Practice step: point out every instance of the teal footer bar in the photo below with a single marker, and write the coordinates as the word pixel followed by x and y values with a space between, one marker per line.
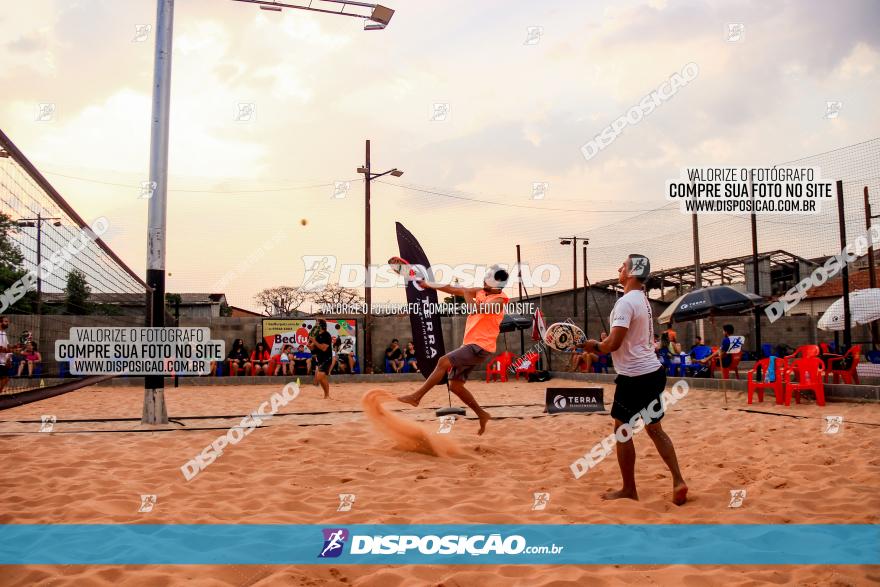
pixel 367 544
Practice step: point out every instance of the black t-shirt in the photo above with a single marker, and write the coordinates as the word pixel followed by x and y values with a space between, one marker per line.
pixel 393 355
pixel 238 354
pixel 410 354
pixel 323 338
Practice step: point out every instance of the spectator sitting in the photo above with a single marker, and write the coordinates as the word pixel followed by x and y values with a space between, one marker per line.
pixel 410 357
pixel 674 346
pixel 394 356
pixel 302 361
pixel 238 357
pixel 284 361
pixel 260 359
pixel 730 345
pixel 345 354
pixel 579 356
pixel 30 358
pixel 698 341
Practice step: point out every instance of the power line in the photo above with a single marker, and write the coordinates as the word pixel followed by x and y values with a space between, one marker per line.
pixel 504 204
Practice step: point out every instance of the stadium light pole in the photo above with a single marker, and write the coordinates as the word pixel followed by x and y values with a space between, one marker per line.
pixel 573 240
pixel 379 16
pixel 369 176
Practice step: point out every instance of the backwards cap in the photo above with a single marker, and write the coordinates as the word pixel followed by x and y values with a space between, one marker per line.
pixel 638 266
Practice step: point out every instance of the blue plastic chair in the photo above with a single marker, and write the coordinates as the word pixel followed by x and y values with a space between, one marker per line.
pixel 873 357
pixel 767 349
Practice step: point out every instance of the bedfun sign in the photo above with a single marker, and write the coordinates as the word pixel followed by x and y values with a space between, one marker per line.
pixel 574 399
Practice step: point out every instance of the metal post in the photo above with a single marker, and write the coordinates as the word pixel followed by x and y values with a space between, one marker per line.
pixel 39 270
pixel 574 277
pixel 154 393
pixel 586 291
pixel 522 336
pixel 698 275
pixel 368 294
pixel 756 274
pixel 847 316
pixel 872 274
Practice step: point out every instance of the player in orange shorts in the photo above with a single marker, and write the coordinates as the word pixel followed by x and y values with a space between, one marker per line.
pixel 480 334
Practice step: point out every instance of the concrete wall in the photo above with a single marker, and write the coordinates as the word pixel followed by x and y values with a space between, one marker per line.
pixel 791 330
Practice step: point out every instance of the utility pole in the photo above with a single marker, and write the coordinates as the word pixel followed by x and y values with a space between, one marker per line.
pixel 369 176
pixel 847 313
pixel 756 274
pixel 522 336
pixel 586 290
pixel 573 240
pixel 872 274
pixel 698 275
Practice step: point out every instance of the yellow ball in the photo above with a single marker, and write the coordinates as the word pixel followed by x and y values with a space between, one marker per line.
pixel 303 221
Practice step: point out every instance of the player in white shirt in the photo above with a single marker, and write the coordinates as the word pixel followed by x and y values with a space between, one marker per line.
pixel 641 377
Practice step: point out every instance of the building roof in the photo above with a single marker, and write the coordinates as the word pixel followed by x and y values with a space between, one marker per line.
pixel 239 312
pixel 833 288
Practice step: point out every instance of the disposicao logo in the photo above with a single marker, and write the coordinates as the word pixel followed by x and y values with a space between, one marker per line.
pixel 334 540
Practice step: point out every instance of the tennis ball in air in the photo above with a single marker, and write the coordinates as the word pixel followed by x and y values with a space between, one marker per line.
pixel 303 221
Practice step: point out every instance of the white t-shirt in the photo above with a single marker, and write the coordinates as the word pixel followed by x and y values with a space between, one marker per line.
pixel 636 354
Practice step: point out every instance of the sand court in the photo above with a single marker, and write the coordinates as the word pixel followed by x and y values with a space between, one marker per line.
pixel 98 460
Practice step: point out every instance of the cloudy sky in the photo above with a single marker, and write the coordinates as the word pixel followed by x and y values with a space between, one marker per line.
pixel 519 111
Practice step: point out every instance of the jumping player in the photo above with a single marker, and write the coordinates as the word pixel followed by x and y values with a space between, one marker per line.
pixel 321 345
pixel 640 377
pixel 480 334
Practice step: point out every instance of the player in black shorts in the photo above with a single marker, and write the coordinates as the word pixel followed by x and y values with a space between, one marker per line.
pixel 641 378
pixel 321 345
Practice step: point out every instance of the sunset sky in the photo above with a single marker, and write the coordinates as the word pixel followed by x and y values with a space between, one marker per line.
pixel 518 114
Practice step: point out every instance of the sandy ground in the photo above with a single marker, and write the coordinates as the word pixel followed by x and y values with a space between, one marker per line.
pixel 292 470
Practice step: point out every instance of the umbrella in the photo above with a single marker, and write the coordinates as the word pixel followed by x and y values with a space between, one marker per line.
pixel 864 307
pixel 716 300
pixel 514 322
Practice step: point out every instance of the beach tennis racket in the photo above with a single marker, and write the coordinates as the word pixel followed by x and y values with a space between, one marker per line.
pixel 402 267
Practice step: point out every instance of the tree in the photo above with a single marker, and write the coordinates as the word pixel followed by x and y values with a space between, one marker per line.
pixel 336 295
pixel 281 300
pixel 12 267
pixel 225 310
pixel 77 292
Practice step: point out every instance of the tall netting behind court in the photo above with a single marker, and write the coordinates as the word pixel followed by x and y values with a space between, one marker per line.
pixel 790 248
pixel 56 272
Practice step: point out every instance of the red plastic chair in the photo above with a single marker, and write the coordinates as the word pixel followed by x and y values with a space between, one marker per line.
pixel 498 366
pixel 804 352
pixel 809 377
pixel 836 366
pixel 777 386
pixel 532 358
pixel 734 366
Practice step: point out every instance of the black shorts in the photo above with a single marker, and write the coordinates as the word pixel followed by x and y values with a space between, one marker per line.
pixel 4 370
pixel 634 394
pixel 324 366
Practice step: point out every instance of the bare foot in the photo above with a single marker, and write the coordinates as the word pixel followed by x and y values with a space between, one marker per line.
pixel 408 399
pixel 679 493
pixel 484 419
pixel 621 494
